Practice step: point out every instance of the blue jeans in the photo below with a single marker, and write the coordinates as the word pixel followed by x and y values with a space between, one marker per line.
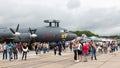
pixel 10 55
pixel 48 49
pixel 113 48
pixel 37 50
pixel 44 50
pixel 4 54
pixel 116 48
pixel 93 54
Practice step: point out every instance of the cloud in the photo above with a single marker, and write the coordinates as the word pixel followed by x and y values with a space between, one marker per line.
pixel 73 14
pixel 28 12
pixel 73 4
pixel 100 20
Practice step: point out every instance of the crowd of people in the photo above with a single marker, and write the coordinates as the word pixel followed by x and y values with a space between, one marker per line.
pixel 90 48
pixel 41 47
pixel 82 49
pixel 10 50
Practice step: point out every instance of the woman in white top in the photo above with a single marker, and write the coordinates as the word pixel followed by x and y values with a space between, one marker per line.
pixel 25 50
pixel 79 50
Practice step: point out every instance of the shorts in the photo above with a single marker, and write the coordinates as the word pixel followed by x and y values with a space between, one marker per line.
pixel 79 52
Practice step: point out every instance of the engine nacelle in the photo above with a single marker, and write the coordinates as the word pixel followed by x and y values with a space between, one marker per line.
pixel 33 36
pixel 23 37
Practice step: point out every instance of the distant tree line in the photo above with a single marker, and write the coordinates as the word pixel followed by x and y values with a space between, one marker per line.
pixel 88 33
pixel 113 36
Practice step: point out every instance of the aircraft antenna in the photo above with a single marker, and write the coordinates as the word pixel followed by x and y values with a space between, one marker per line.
pixel 56 23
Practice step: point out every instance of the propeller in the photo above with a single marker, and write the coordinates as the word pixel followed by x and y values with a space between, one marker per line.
pixel 32 36
pixel 16 33
pixel 32 32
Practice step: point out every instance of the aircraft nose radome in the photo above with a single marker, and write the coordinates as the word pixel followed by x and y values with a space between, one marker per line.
pixel 74 36
pixel 71 36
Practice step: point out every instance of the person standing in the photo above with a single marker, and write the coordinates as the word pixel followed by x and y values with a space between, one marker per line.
pixel 70 46
pixel 44 47
pixel 55 49
pixel 15 52
pixel 112 47
pixel 116 46
pixel 105 47
pixel 93 47
pixel 36 48
pixel 79 50
pixel 85 50
pixel 63 45
pixel 20 47
pixel 5 48
pixel 10 51
pixel 59 48
pixel 75 49
pixel 25 50
pixel 48 47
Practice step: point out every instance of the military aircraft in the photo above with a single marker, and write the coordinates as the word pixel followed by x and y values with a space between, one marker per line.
pixel 39 34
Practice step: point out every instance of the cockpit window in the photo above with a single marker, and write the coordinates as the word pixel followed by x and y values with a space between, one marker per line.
pixel 64 31
pixel 61 30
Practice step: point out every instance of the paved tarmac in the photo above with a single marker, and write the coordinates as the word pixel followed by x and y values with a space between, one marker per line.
pixel 49 60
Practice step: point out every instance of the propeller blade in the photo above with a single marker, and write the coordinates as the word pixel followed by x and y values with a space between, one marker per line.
pixel 17 28
pixel 35 30
pixel 12 31
pixel 30 30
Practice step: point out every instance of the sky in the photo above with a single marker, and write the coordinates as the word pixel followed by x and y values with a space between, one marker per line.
pixel 98 16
